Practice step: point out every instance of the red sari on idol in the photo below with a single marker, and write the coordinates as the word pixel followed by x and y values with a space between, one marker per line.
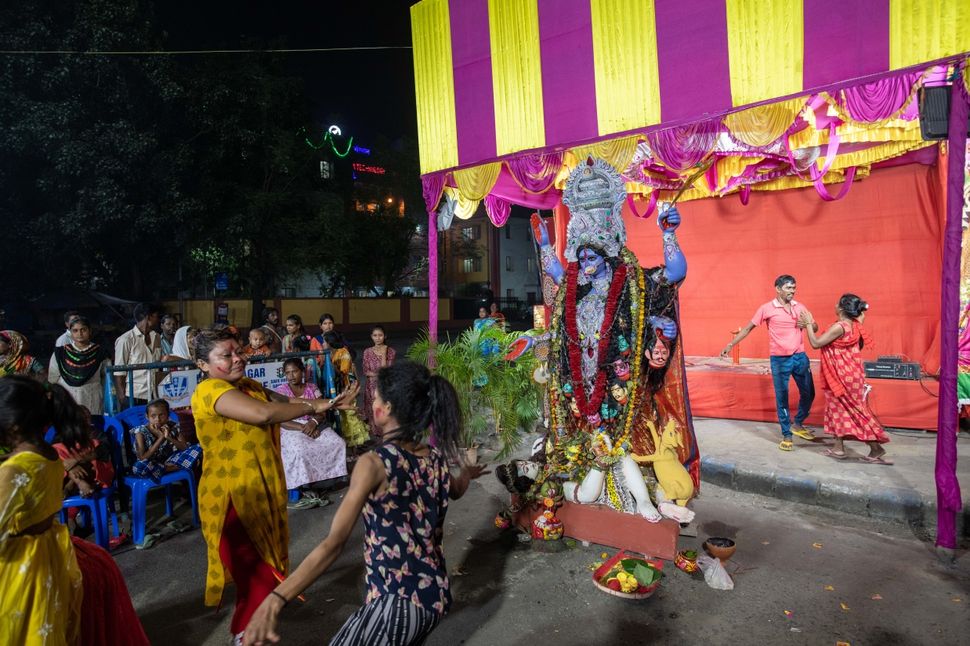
pixel 843 380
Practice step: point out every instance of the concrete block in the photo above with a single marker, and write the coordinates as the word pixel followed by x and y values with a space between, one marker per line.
pixel 797 488
pixel 899 504
pixel 718 472
pixel 849 497
pixel 754 480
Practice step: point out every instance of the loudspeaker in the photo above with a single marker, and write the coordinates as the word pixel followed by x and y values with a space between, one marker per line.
pixel 934 112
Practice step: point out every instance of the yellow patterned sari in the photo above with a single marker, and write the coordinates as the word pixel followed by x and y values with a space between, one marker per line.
pixel 243 464
pixel 40 583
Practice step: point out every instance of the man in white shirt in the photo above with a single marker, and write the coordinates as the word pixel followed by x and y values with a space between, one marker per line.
pixel 140 344
pixel 65 338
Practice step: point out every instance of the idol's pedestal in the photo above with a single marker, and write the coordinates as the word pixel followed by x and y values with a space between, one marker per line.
pixel 604 526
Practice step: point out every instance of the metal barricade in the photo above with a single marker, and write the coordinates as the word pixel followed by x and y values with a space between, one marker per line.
pixel 112 404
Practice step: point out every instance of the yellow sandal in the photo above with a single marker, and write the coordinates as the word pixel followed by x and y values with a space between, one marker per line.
pixel 786 445
pixel 803 433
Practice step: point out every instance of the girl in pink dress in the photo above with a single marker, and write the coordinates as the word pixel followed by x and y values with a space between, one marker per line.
pixel 311 451
pixel 375 358
pixel 847 416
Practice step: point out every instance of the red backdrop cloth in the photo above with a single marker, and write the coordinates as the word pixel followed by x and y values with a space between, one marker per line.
pixel 882 242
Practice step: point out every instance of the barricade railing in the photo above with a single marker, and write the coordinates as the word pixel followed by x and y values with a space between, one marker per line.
pixel 111 398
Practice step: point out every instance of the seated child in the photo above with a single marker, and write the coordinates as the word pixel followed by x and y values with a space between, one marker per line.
pixel 259 343
pixel 86 456
pixel 159 446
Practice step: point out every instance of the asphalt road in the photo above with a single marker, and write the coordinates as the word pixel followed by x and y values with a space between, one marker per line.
pixel 803 575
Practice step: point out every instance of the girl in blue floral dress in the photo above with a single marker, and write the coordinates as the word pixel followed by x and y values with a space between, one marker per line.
pixel 402 488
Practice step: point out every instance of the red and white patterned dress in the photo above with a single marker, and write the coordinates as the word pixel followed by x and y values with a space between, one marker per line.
pixel 843 381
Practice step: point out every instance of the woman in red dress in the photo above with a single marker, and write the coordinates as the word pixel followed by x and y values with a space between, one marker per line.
pixel 847 416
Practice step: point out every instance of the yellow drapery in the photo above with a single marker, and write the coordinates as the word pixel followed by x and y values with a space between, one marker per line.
pixel 625 64
pixel 464 207
pixel 434 85
pixel 765 48
pixel 618 152
pixel 477 182
pixel 921 31
pixel 516 75
pixel 761 125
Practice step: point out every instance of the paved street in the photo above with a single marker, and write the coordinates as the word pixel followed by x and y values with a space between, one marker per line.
pixel 506 593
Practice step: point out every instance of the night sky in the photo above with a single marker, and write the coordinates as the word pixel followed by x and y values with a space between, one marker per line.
pixel 366 92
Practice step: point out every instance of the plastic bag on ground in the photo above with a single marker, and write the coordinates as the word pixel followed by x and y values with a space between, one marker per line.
pixel 714 573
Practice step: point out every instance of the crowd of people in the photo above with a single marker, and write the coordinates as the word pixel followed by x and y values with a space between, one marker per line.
pixel 288 441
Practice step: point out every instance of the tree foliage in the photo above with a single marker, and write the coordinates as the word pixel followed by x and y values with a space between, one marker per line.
pixel 126 172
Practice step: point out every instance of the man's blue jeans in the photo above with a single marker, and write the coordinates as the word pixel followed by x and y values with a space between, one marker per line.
pixel 782 369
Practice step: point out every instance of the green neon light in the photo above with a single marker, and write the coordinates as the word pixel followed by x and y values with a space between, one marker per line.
pixel 328 138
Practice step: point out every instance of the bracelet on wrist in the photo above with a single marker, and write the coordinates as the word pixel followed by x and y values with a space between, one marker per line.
pixel 281 597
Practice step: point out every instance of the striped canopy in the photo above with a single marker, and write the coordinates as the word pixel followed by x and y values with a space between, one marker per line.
pixel 495 78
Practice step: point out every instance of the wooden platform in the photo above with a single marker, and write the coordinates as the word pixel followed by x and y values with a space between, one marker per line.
pixel 602 525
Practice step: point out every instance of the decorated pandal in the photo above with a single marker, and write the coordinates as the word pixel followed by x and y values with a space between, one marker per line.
pixel 826 138
pixel 549 105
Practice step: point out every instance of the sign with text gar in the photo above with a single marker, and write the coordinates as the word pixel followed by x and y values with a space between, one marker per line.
pixel 177 387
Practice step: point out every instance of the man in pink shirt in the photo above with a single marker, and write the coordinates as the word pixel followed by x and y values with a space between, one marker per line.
pixel 788 358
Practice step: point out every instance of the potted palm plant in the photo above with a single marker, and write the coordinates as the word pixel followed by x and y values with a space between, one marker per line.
pixel 495 395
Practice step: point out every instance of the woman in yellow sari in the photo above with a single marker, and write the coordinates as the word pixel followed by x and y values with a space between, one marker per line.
pixel 40 583
pixel 242 495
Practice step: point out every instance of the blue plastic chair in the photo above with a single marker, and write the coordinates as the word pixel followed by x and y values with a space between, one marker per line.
pixel 119 426
pixel 100 506
pixel 293 495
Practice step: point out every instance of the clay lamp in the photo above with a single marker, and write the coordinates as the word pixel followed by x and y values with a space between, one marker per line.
pixel 720 548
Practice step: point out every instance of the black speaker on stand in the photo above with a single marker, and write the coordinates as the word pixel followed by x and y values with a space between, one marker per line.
pixel 934 112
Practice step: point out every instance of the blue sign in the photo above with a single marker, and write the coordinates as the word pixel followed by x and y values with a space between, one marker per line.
pixel 222 281
pixel 362 151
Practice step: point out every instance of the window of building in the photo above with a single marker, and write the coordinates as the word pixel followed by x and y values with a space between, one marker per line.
pixel 531 297
pixel 508 231
pixel 288 292
pixel 508 263
pixel 470 265
pixel 530 264
pixel 510 294
pixel 472 232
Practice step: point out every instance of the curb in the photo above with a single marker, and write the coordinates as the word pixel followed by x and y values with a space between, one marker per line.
pixel 889 503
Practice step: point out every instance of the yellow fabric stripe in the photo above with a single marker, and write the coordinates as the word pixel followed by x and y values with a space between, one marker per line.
pixel 625 64
pixel 477 182
pixel 762 124
pixel 516 75
pixel 765 48
pixel 924 30
pixel 617 152
pixel 434 85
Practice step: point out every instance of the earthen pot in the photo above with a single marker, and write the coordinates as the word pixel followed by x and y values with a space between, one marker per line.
pixel 720 548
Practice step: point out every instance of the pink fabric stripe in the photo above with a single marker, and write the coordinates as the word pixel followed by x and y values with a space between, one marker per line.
pixel 568 77
pixel 844 40
pixel 471 56
pixel 692 52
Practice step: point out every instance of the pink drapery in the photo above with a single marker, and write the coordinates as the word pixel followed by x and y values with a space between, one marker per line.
pixel 948 501
pixel 432 186
pixel 535 173
pixel 498 209
pixel 684 147
pixel 881 99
